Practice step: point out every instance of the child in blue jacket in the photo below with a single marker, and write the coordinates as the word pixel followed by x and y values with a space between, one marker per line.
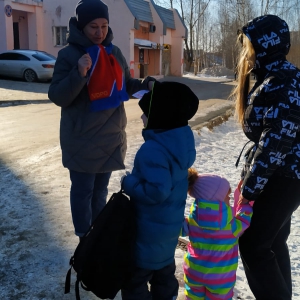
pixel 157 186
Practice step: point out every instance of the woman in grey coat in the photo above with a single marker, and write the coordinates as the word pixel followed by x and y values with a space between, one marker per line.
pixel 90 82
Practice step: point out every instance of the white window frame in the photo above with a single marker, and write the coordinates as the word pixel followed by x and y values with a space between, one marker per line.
pixel 61 42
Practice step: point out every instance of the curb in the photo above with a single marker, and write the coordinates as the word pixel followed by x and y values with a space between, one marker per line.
pixel 5 103
pixel 223 117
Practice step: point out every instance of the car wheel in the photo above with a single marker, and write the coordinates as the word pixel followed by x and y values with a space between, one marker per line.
pixel 30 75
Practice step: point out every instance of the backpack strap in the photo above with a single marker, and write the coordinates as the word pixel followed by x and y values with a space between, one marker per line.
pixel 68 276
pixel 238 160
pixel 77 289
pixel 84 287
pixel 68 281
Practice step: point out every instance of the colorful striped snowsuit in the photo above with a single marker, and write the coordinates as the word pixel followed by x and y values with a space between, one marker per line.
pixel 211 261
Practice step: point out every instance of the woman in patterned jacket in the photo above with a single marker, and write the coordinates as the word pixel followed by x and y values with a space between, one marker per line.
pixel 269 114
pixel 211 261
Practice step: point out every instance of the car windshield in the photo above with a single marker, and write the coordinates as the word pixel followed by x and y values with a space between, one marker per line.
pixel 43 56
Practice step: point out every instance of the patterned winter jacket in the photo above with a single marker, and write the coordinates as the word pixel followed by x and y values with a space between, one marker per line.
pixel 91 141
pixel 272 116
pixel 213 231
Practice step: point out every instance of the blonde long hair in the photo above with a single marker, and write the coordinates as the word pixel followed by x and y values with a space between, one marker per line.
pixel 245 65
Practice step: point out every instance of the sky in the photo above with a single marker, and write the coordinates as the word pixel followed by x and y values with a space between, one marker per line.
pixel 36 232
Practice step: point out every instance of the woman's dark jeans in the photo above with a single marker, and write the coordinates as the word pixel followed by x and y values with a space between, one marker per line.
pixel 263 248
pixel 163 284
pixel 88 197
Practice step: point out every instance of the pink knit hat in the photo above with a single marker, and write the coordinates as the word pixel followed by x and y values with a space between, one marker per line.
pixel 210 187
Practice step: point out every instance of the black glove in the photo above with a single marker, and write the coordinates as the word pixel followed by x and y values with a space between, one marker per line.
pixel 146 81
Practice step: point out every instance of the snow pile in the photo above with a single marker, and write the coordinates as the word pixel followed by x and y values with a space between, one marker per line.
pixel 217 71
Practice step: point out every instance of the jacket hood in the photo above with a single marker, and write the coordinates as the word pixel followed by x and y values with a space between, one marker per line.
pixel 270 37
pixel 212 215
pixel 180 141
pixel 77 37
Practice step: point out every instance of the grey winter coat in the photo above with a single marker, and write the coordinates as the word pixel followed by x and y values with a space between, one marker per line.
pixel 91 142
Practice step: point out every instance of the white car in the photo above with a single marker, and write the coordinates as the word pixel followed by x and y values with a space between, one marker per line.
pixel 31 65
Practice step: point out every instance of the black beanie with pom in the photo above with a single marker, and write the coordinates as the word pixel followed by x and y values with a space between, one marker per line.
pixel 169 105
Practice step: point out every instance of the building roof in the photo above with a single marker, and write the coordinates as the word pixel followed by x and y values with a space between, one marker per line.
pixel 140 9
pixel 166 15
pixel 180 18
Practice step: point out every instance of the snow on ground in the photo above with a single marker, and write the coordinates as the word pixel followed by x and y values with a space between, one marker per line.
pixel 37 234
pixel 36 231
pixel 213 72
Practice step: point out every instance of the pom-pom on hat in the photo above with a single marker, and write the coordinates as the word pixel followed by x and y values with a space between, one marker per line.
pixel 210 187
pixel 169 105
pixel 89 10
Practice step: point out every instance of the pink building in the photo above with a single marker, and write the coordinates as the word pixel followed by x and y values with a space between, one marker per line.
pixel 150 37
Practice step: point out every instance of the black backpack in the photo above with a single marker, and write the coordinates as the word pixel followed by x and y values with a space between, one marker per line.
pixel 103 260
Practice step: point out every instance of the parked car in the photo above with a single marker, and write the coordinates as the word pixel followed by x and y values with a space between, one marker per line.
pixel 31 65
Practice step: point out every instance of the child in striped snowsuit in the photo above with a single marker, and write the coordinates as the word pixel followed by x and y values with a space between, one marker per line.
pixel 211 261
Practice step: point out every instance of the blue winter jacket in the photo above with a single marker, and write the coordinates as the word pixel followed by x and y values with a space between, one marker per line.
pixel 158 188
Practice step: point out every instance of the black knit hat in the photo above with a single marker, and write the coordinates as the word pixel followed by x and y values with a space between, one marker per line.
pixel 89 10
pixel 169 105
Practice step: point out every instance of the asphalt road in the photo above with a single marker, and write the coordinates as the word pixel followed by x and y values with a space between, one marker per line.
pixel 212 93
pixel 30 122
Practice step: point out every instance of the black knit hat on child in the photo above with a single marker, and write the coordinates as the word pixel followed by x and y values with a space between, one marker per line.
pixel 89 10
pixel 169 105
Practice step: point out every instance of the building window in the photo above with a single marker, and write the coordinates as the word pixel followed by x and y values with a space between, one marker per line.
pixel 60 35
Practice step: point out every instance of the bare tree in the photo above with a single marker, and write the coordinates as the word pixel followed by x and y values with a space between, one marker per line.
pixel 212 26
pixel 192 20
pixel 232 15
pixel 190 13
pixel 165 3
